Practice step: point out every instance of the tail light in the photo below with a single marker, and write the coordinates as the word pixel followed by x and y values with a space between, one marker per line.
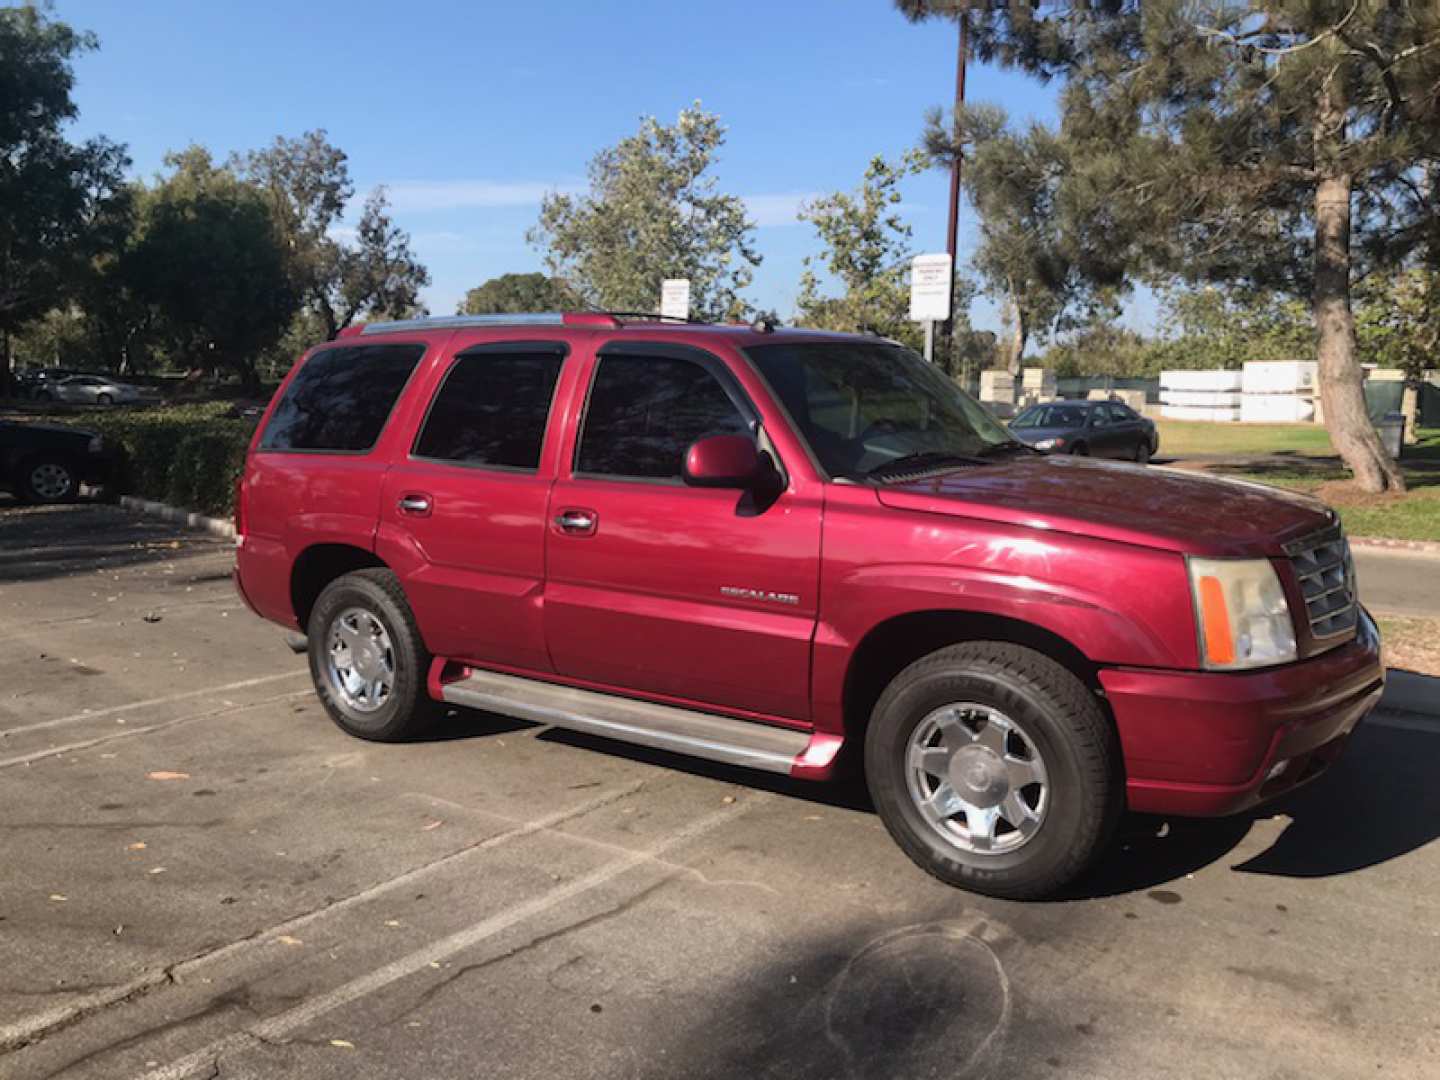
pixel 239 509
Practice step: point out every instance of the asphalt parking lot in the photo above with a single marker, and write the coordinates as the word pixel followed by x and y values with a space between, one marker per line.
pixel 203 877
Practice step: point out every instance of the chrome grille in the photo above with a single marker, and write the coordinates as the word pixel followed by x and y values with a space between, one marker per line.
pixel 1327 580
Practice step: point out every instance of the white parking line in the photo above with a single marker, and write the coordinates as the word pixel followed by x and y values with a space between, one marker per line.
pixel 283 1024
pixel 115 710
pixel 29 1028
pixel 86 744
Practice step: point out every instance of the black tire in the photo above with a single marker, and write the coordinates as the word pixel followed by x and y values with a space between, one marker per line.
pixel 1142 452
pixel 1077 744
pixel 408 710
pixel 48 480
pixel 104 399
pixel 44 395
pixel 1080 449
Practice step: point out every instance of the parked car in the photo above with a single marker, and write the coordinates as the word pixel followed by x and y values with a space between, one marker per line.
pixel 30 381
pixel 1108 429
pixel 94 390
pixel 764 546
pixel 47 463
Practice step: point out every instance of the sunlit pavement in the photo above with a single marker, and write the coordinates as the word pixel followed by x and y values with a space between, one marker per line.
pixel 202 877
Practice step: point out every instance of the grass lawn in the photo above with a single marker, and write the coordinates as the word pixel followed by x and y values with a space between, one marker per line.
pixel 1186 438
pixel 1299 457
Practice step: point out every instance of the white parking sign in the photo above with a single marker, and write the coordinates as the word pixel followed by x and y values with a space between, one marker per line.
pixel 675 298
pixel 930 288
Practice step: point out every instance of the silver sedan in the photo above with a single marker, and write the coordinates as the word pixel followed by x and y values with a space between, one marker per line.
pixel 94 390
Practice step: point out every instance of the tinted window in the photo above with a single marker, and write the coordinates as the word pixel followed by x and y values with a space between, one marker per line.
pixel 644 412
pixel 492 410
pixel 341 398
pixel 1052 416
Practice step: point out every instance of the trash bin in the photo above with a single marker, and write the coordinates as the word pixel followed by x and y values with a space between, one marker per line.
pixel 1391 428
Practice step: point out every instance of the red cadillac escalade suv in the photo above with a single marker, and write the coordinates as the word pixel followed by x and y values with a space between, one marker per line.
pixel 763 546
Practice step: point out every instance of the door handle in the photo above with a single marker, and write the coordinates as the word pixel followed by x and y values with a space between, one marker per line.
pixel 577 522
pixel 415 504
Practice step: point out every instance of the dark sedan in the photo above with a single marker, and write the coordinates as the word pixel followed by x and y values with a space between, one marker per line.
pixel 46 463
pixel 1100 428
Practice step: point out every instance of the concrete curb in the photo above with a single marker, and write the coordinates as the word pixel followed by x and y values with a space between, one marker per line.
pixel 222 527
pixel 1412 547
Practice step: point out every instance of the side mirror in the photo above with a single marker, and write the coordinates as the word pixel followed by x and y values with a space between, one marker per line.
pixel 722 461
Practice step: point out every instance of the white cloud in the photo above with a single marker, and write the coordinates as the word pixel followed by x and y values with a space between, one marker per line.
pixel 776 209
pixel 419 195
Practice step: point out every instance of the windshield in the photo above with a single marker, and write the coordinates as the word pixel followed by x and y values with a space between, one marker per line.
pixel 1043 416
pixel 865 405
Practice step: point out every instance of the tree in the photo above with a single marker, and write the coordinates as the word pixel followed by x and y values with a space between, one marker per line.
pixel 1033 255
pixel 867 251
pixel 306 182
pixel 58 200
pixel 517 293
pixel 652 212
pixel 1223 328
pixel 208 258
pixel 1271 143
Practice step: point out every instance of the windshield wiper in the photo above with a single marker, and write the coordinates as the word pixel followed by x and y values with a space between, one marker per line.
pixel 922 460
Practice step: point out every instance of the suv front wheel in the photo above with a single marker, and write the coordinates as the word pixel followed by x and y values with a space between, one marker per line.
pixel 367 658
pixel 994 768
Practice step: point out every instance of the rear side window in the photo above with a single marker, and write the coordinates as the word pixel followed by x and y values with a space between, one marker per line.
pixel 492 409
pixel 644 413
pixel 339 401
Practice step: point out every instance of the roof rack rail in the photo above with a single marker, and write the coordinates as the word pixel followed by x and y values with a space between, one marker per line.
pixel 460 322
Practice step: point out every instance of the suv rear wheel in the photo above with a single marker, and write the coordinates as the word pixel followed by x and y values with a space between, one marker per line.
pixel 994 769
pixel 367 659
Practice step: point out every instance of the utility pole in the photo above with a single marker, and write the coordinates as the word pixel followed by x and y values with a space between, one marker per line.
pixel 952 232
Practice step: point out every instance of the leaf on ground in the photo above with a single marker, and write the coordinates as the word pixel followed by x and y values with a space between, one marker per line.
pixel 58 896
pixel 286 939
pixel 139 845
pixel 156 870
pixel 163 774
pixel 392 922
pixel 343 1044
pixel 432 825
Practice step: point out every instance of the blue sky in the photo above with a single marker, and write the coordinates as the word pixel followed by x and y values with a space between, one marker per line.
pixel 469 112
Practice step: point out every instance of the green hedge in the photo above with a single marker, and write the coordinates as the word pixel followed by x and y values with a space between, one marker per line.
pixel 185 455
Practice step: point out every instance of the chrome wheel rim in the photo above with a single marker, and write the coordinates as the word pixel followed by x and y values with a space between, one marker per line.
pixel 360 660
pixel 977 779
pixel 51 481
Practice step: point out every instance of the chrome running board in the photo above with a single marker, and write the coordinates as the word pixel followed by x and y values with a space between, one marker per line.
pixel 646 723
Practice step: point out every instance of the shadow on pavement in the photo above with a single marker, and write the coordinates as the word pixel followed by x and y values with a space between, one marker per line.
pixel 38 543
pixel 1379 802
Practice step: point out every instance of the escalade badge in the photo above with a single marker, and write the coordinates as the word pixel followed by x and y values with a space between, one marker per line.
pixel 759 594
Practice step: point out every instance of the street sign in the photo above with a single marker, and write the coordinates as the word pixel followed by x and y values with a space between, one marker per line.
pixel 930 288
pixel 675 298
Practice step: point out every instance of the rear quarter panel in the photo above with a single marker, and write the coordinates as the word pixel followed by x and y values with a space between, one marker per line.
pixel 297 499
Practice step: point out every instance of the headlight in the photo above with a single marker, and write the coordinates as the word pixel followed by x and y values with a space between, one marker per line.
pixel 96 445
pixel 1241 613
pixel 1049 444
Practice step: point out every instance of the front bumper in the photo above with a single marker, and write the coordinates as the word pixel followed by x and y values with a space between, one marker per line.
pixel 1204 744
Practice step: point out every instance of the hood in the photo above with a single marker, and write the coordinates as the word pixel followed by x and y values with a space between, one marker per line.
pixel 1133 504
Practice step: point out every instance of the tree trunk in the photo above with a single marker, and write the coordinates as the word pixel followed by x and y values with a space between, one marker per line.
pixel 1019 333
pixel 1342 389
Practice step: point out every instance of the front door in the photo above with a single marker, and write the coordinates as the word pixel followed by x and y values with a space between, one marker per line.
pixel 696 594
pixel 462 516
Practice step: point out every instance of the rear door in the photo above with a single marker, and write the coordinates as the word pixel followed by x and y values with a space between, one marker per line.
pixel 702 595
pixel 462 515
pixel 1107 436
